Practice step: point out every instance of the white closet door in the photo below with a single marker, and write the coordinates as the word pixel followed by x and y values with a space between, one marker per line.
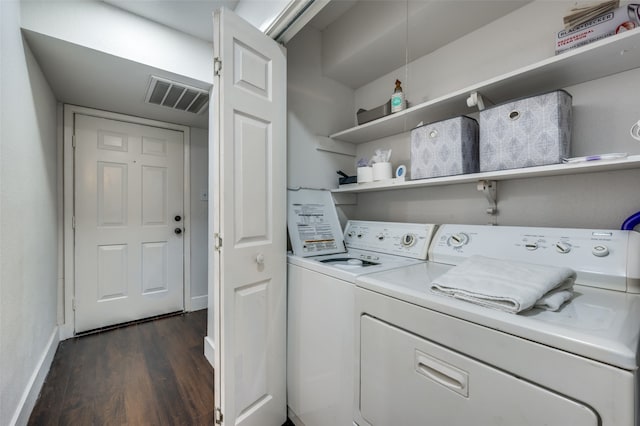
pixel 128 210
pixel 248 171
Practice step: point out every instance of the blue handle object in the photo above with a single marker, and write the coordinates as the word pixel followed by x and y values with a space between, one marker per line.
pixel 631 222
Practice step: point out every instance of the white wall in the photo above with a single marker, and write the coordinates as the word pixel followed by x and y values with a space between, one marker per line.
pixel 199 184
pixel 317 106
pixel 604 110
pixel 107 29
pixel 28 223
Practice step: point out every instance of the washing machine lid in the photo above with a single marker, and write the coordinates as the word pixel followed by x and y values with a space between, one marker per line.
pixel 312 219
pixel 347 266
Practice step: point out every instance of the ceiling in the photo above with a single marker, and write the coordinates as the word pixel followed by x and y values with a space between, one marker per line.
pixel 90 78
pixel 82 76
pixel 193 17
pixel 365 40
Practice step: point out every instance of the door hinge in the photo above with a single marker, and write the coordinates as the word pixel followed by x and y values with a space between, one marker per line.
pixel 217 242
pixel 219 416
pixel 73 141
pixel 73 222
pixel 217 66
pixel 73 303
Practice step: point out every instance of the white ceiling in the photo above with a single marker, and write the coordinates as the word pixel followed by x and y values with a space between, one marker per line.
pixel 86 77
pixel 365 40
pixel 193 17
pixel 90 78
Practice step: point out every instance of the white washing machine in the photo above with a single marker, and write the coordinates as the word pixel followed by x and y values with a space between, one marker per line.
pixel 426 359
pixel 320 306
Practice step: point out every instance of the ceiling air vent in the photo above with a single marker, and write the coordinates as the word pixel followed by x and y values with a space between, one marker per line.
pixel 172 94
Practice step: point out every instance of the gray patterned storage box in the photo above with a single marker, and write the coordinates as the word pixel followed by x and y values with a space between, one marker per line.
pixel 444 148
pixel 528 132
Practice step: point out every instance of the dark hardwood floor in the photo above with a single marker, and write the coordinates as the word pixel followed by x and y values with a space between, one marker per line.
pixel 150 373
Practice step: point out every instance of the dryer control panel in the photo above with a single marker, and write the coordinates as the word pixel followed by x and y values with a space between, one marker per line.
pixel 601 258
pixel 396 238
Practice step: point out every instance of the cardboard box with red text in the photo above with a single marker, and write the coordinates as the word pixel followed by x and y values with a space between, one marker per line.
pixel 621 19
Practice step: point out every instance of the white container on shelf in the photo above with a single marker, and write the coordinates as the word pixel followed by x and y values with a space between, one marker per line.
pixel 365 174
pixel 381 171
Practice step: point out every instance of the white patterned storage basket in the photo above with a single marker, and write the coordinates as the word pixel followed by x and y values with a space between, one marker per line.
pixel 528 132
pixel 444 148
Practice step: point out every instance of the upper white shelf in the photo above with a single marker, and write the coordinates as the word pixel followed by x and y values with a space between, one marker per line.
pixel 596 60
pixel 631 162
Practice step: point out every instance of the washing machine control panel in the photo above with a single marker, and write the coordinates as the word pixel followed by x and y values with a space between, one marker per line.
pixel 602 258
pixel 396 238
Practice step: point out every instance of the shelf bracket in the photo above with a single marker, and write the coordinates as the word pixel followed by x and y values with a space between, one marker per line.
pixel 490 190
pixel 476 99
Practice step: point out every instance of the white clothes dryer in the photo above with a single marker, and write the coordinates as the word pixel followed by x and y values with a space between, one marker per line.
pixel 425 359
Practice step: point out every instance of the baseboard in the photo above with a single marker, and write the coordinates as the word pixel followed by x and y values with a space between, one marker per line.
pixel 32 390
pixel 65 330
pixel 199 302
pixel 209 350
pixel 293 418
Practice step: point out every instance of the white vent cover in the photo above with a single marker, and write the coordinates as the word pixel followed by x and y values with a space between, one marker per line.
pixel 172 94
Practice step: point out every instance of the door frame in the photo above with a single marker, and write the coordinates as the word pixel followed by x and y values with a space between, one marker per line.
pixel 67 278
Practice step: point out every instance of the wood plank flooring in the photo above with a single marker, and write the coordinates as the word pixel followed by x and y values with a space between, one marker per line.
pixel 150 373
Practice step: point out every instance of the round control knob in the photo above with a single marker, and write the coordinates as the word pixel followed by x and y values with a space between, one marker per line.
pixel 408 240
pixel 351 234
pixel 359 235
pixel 600 250
pixel 458 240
pixel 563 247
pixel 531 246
pixel 380 237
pixel 356 262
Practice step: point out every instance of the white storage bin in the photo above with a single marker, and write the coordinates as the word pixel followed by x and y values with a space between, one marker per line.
pixel 528 132
pixel 444 148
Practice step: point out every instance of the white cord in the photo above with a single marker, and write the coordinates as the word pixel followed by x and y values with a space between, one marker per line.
pixel 635 131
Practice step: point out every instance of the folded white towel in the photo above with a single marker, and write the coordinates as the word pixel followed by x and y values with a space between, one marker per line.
pixel 507 285
pixel 554 299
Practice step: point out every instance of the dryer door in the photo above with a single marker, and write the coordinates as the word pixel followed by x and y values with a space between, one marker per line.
pixel 408 380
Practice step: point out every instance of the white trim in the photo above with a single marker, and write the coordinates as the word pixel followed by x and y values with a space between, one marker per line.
pixel 60 211
pixel 186 191
pixel 67 328
pixel 209 350
pixel 293 18
pixel 199 302
pixel 34 386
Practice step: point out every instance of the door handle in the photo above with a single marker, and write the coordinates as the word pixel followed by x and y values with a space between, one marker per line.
pixel 442 373
pixel 177 218
pixel 178 231
pixel 260 259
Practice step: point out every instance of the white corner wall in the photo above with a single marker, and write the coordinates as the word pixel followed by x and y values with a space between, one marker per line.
pixel 199 217
pixel 317 106
pixel 604 110
pixel 28 223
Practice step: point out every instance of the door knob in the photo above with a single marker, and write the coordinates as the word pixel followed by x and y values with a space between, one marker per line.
pixel 260 259
pixel 178 231
pixel 178 218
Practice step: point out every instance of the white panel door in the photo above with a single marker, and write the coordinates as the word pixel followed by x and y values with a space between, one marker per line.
pixel 248 172
pixel 128 209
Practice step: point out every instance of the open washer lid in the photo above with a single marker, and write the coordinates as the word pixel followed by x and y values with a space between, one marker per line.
pixel 312 219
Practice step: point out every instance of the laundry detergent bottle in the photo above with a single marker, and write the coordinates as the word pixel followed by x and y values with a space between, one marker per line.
pixel 397 99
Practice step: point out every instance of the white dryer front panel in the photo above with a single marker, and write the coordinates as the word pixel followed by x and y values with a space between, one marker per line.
pixel 408 380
